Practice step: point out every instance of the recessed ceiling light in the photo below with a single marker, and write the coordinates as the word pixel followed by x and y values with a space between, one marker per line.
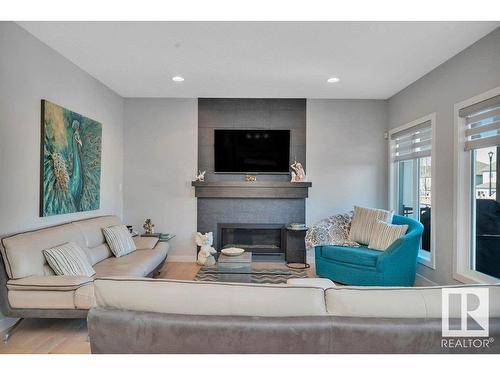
pixel 177 79
pixel 333 80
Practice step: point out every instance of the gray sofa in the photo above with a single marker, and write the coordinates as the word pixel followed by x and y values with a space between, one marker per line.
pixel 29 288
pixel 200 317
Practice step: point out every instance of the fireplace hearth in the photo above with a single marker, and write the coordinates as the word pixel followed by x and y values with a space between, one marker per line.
pixel 263 240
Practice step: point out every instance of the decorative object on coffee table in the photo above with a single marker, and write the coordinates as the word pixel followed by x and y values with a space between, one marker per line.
pixel 232 251
pixel 250 178
pixel 148 226
pixel 200 176
pixel 206 253
pixel 298 174
pixel 295 246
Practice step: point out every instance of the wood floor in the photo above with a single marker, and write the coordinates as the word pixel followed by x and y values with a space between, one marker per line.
pixel 69 336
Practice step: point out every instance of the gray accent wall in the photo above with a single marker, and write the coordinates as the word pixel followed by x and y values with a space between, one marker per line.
pixel 249 114
pixel 471 72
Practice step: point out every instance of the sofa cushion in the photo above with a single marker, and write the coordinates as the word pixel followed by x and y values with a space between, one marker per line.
pixel 23 252
pixel 411 302
pixel 204 298
pixel 49 283
pixel 92 229
pixel 119 240
pixel 145 242
pixel 384 235
pixel 99 253
pixel 139 263
pixel 353 255
pixel 363 221
pixel 69 259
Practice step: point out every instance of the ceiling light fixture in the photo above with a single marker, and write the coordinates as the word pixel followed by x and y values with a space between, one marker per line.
pixel 177 79
pixel 333 80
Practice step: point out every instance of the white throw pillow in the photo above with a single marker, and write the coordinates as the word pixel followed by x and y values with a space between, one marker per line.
pixel 69 259
pixel 119 240
pixel 363 221
pixel 384 235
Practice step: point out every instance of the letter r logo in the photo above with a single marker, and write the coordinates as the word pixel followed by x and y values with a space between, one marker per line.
pixel 471 307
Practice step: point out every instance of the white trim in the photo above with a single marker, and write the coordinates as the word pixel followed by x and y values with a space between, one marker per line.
pixel 462 193
pixel 424 257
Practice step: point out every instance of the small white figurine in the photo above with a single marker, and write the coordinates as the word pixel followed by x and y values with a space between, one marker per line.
pixel 205 256
pixel 298 174
pixel 200 176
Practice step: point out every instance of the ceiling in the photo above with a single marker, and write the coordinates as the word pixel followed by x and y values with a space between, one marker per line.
pixel 374 60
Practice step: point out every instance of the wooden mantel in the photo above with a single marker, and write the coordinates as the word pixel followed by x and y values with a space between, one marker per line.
pixel 256 189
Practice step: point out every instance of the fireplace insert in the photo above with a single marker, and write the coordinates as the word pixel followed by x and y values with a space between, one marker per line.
pixel 260 239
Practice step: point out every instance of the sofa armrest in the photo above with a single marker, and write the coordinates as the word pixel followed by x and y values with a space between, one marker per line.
pixel 145 242
pixel 60 283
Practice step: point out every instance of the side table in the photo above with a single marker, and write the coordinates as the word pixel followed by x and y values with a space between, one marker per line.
pixel 295 248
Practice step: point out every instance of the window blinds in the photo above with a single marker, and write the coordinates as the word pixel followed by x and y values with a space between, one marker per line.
pixel 412 143
pixel 482 121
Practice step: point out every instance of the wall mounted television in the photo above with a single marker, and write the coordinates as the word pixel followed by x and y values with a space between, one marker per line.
pixel 252 151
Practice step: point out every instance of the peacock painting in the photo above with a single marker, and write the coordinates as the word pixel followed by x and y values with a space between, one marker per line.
pixel 71 161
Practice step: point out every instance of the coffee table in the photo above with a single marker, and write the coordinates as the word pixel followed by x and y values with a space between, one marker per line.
pixel 234 268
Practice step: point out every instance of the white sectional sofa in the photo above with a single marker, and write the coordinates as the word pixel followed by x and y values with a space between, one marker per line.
pixel 29 287
pixel 202 317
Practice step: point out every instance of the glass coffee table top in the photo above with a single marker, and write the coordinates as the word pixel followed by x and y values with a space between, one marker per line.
pixel 241 268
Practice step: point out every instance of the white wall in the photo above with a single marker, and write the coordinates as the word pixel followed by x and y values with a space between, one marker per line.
pixel 160 162
pixel 346 156
pixel 471 72
pixel 31 71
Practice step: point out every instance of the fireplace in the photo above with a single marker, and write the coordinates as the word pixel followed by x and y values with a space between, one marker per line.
pixel 266 240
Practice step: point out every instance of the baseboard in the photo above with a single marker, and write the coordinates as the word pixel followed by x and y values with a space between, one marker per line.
pixel 423 281
pixel 181 258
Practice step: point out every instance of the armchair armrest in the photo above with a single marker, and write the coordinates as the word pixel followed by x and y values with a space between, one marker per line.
pixel 403 251
pixel 59 283
pixel 145 242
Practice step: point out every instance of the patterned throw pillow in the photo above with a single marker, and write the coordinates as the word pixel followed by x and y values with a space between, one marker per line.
pixel 383 235
pixel 119 240
pixel 69 259
pixel 363 221
pixel 331 231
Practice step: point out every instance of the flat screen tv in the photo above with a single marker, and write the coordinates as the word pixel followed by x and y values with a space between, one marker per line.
pixel 252 151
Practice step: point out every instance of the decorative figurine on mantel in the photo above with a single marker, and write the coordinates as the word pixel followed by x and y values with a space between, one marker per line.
pixel 148 226
pixel 200 176
pixel 298 174
pixel 250 178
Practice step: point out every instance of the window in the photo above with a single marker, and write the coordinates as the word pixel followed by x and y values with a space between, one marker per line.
pixel 411 178
pixel 477 201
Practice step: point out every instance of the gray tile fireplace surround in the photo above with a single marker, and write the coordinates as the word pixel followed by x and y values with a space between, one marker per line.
pixel 226 198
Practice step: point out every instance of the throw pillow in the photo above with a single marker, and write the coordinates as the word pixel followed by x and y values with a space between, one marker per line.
pixel 69 259
pixel 384 235
pixel 331 231
pixel 363 221
pixel 119 240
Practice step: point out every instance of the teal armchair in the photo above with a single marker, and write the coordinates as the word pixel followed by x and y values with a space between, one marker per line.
pixel 395 266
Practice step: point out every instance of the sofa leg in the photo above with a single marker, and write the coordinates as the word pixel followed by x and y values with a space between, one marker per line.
pixel 8 333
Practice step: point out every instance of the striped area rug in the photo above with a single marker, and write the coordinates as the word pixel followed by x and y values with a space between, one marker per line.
pixel 260 276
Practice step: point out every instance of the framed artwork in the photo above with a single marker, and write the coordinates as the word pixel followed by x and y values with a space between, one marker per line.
pixel 70 170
